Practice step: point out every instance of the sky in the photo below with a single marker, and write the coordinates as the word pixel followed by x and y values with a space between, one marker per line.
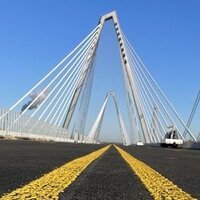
pixel 35 35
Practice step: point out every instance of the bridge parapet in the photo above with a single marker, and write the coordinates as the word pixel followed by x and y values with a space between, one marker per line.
pixel 23 128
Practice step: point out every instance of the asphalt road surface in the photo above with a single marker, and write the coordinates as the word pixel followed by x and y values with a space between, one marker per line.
pixel 108 177
pixel 181 166
pixel 23 161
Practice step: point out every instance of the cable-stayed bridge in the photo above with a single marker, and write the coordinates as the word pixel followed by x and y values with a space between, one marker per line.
pixel 49 109
pixel 56 109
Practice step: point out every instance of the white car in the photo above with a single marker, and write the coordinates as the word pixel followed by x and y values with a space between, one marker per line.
pixel 171 139
pixel 139 143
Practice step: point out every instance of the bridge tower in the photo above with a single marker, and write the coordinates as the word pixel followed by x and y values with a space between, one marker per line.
pixel 126 70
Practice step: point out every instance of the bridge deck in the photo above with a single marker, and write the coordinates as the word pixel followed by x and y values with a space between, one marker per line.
pixel 108 177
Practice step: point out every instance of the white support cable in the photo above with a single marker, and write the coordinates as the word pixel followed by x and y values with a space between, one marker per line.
pixel 146 109
pixel 58 92
pixel 198 137
pixel 159 89
pixel 82 54
pixel 61 104
pixel 145 104
pixel 77 93
pixel 192 113
pixel 130 107
pixel 68 101
pixel 64 91
pixel 157 124
pixel 153 99
pixel 133 90
pixel 53 109
pixel 67 96
pixel 130 98
pixel 59 99
pixel 50 95
pixel 142 104
pixel 90 83
pixel 62 118
pixel 84 101
pixel 82 63
pixel 143 91
pixel 56 67
pixel 144 87
pixel 73 58
pixel 147 96
pixel 52 81
pixel 164 108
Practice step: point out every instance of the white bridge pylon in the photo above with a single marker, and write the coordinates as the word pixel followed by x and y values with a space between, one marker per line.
pixel 93 135
pixel 48 110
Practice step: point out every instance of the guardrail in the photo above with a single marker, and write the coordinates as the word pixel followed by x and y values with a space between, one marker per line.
pixel 14 125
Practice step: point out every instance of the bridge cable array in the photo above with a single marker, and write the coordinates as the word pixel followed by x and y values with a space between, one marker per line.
pixel 64 93
pixel 194 108
pixel 158 112
pixel 52 95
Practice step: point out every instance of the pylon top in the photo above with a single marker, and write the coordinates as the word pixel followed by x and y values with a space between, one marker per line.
pixel 112 15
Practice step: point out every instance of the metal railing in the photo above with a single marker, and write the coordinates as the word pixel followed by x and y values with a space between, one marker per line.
pixel 14 125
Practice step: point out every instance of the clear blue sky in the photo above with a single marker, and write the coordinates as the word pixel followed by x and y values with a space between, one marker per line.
pixel 35 35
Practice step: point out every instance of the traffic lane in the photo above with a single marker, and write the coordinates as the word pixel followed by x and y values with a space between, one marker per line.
pixel 50 185
pixel 108 178
pixel 181 166
pixel 24 161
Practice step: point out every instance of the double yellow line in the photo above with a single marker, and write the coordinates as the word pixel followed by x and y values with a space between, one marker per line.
pixel 52 184
pixel 159 186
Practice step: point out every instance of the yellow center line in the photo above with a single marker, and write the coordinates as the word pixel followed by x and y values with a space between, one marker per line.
pixel 50 185
pixel 159 187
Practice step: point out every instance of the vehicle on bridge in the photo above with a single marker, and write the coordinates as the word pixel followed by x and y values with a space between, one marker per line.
pixel 139 143
pixel 172 139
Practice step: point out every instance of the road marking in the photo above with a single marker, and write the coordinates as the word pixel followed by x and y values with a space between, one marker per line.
pixel 50 185
pixel 159 186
